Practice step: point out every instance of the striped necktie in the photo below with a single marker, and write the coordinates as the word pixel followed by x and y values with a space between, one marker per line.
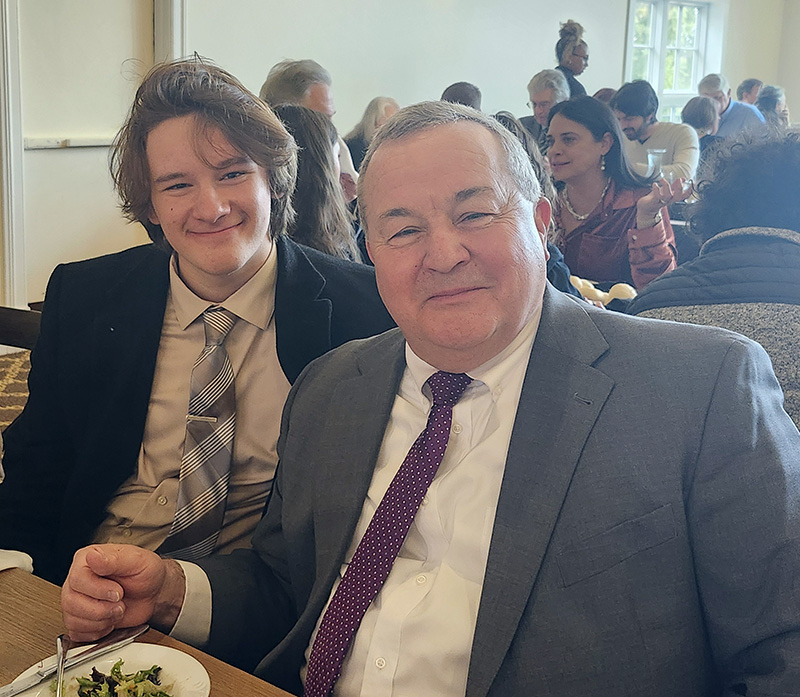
pixel 375 554
pixel 206 462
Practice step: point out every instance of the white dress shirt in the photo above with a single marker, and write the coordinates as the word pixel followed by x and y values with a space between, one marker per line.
pixel 416 636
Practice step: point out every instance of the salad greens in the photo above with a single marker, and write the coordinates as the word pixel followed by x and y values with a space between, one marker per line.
pixel 143 683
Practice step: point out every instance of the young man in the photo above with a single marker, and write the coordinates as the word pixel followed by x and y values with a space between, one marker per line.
pixel 597 505
pixel 103 450
pixel 636 105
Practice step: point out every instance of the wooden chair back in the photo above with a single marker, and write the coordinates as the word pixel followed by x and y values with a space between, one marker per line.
pixel 19 328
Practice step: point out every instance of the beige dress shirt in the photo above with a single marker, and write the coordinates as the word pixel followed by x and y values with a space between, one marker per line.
pixel 142 510
pixel 416 636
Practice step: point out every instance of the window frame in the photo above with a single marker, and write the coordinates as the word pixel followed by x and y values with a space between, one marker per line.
pixel 671 101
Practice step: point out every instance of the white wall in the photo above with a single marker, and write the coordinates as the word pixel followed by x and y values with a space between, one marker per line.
pixel 408 50
pixel 789 59
pixel 79 73
pixel 81 60
pixel 752 41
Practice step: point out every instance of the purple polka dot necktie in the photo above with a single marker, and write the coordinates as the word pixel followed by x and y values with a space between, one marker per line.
pixel 385 534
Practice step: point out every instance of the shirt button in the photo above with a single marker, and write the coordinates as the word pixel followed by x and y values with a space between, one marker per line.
pixel 126 532
pixel 422 578
pixel 633 237
pixel 380 663
pixel 457 428
pixel 162 500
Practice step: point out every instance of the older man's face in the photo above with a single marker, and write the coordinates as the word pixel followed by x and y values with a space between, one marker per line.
pixel 459 254
pixel 541 103
pixel 320 98
pixel 723 99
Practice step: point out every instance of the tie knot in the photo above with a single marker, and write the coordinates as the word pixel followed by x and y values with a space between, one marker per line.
pixel 447 388
pixel 218 322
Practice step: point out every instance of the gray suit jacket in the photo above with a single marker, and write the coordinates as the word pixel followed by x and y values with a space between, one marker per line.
pixel 646 536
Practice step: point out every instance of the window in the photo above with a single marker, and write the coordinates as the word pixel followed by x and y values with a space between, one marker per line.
pixel 666 47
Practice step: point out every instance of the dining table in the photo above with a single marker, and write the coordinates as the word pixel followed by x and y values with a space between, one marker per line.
pixel 30 621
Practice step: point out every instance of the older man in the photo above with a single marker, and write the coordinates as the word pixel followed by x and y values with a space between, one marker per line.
pixel 306 83
pixel 546 89
pixel 594 504
pixel 734 117
pixel 636 107
pixel 105 449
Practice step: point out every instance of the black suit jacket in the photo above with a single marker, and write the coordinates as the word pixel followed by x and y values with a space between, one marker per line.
pixel 79 436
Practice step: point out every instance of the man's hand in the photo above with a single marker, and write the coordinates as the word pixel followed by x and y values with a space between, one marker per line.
pixel 111 586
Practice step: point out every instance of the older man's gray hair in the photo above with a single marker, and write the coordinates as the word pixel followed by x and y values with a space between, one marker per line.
pixel 288 82
pixel 424 116
pixel 550 80
pixel 713 82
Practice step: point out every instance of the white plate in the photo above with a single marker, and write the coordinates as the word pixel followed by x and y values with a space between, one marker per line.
pixel 182 672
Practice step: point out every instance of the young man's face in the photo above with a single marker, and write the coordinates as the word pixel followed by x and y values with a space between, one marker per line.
pixel 634 127
pixel 213 204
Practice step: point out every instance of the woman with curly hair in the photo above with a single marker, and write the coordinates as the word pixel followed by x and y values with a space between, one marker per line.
pixel 322 220
pixel 572 54
pixel 747 277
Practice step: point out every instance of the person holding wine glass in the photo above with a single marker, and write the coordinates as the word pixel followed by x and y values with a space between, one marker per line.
pixel 612 223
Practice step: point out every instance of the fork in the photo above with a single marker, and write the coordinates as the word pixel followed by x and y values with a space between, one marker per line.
pixel 63 644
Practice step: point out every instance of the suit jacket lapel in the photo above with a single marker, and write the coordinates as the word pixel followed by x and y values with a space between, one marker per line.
pixel 302 316
pixel 562 396
pixel 353 432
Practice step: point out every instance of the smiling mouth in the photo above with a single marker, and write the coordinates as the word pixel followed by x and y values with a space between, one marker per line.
pixel 227 228
pixel 455 293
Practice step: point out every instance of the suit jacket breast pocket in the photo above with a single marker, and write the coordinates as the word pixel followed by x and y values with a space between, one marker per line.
pixel 600 552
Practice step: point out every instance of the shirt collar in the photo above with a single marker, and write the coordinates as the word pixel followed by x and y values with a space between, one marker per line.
pixel 494 373
pixel 254 302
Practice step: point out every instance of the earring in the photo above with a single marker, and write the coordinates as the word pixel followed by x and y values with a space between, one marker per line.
pixel 602 162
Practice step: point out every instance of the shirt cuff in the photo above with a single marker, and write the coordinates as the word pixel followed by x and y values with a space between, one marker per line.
pixel 193 625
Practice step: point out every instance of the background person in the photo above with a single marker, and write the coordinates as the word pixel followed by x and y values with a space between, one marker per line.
pixel 748 90
pixel 306 83
pixel 747 277
pixel 572 54
pixel 378 111
pixel 636 107
pixel 701 114
pixel 322 220
pixel 771 103
pixel 573 484
pixel 734 117
pixel 546 89
pixel 612 223
pixel 463 93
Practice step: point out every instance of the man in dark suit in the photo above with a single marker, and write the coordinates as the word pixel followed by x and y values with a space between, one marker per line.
pixel 615 511
pixel 96 455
